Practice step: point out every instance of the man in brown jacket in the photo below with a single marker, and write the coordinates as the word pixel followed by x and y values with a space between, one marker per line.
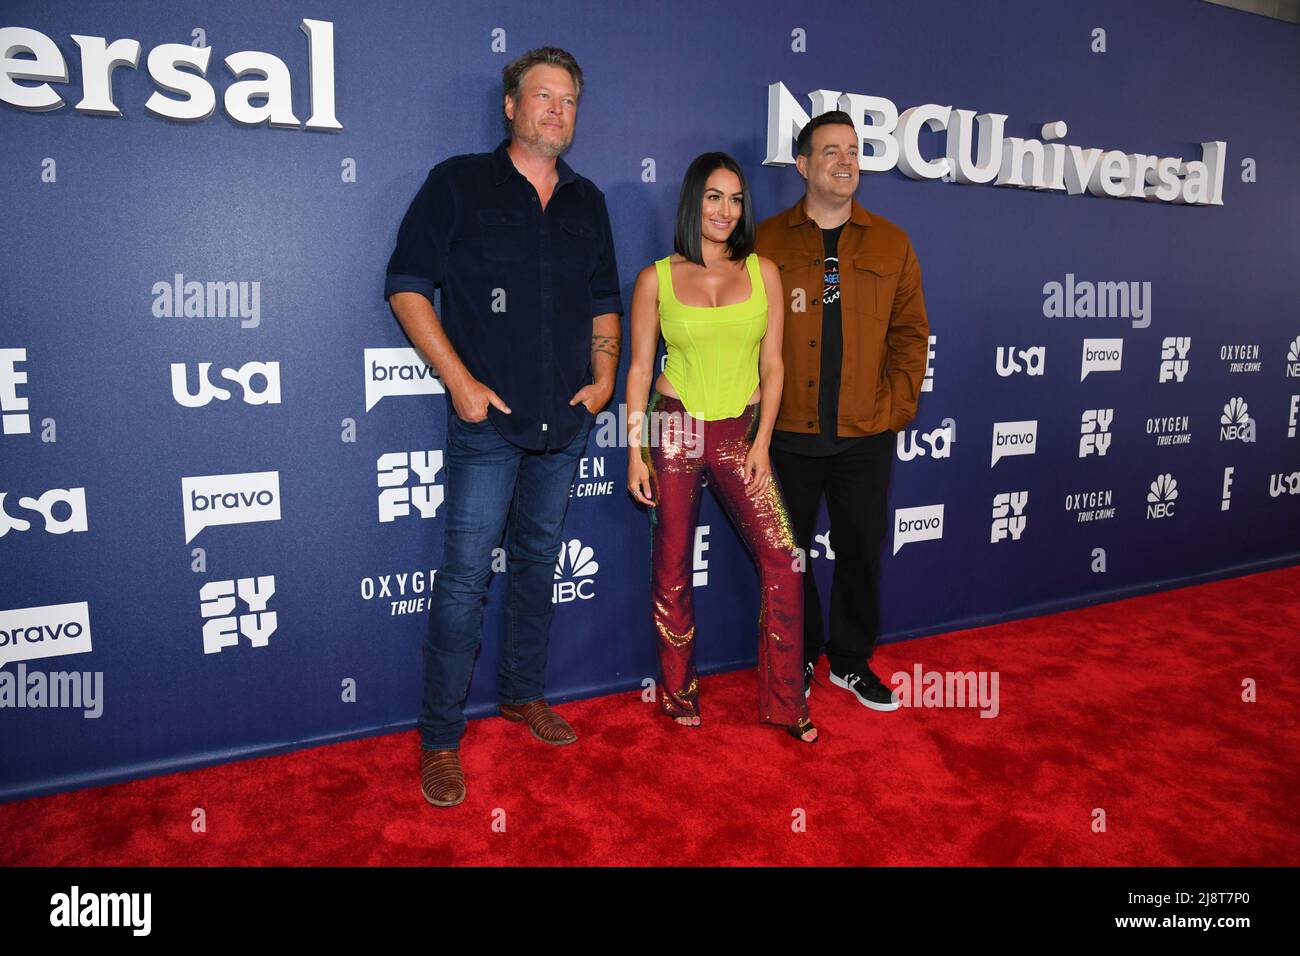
pixel 855 345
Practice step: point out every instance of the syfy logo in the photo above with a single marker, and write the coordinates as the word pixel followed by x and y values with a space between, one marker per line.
pixel 14 419
pixel 1173 357
pixel 939 441
pixel 699 559
pixel 1014 438
pixel 219 602
pixel 52 630
pixel 1094 428
pixel 575 573
pixel 71 502
pixel 1008 516
pixel 1009 360
pixel 267 394
pixel 1161 497
pixel 395 468
pixel 1292 359
pixel 591 468
pixel 1240 358
pixel 1284 484
pixel 1101 355
pixel 1234 423
pixel 398 372
pixel 396 588
pixel 924 523
pixel 1100 300
pixel 927 383
pixel 1090 505
pixel 211 500
pixel 172 67
pixel 1170 429
pixel 895 140
pixel 179 299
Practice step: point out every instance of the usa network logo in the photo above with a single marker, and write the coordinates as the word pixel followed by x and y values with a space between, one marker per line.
pixel 575 573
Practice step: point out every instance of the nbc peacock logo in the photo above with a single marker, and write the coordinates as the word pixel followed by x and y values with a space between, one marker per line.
pixel 1293 359
pixel 575 573
pixel 1235 424
pixel 1162 496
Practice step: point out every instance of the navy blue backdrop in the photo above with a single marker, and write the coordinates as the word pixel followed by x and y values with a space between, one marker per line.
pixel 102 212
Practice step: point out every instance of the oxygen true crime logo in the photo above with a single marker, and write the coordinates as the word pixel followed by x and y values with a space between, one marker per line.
pixel 1090 505
pixel 894 141
pixel 1240 358
pixel 406 592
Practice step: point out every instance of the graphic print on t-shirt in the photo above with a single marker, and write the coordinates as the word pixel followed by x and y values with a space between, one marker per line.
pixel 831 288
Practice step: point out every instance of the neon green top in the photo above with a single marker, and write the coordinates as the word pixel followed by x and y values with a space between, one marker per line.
pixel 713 350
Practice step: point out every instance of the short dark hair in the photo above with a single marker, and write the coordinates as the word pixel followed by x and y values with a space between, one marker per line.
pixel 514 71
pixel 803 143
pixel 686 240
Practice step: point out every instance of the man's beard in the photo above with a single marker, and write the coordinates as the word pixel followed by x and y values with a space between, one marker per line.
pixel 548 146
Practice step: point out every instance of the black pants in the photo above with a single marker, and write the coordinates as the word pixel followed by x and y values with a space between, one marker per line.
pixel 856 484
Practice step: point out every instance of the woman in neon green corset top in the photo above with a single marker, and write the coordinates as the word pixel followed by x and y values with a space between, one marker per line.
pixel 711 412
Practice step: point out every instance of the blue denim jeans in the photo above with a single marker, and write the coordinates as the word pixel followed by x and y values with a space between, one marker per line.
pixel 488 480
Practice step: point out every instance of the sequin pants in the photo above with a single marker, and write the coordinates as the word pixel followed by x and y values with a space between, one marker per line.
pixel 679 450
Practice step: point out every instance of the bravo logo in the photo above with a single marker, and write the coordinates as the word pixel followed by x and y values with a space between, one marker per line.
pixel 267 394
pixel 1173 358
pixel 924 523
pixel 1014 438
pixel 575 573
pixel 1234 423
pixel 1101 355
pixel 398 372
pixel 1010 360
pixel 1162 496
pixel 27 633
pixel 1094 427
pixel 229 499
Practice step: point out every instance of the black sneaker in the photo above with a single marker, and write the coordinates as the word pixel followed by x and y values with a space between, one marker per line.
pixel 807 679
pixel 868 689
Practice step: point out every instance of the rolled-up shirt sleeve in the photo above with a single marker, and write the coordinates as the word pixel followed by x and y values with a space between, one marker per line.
pixel 418 259
pixel 605 294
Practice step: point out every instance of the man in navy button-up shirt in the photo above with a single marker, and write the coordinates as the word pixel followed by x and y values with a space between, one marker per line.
pixel 527 348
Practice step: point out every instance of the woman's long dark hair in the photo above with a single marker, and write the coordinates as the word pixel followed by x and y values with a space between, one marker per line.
pixel 686 240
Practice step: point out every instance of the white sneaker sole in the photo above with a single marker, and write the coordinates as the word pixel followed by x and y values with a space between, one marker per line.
pixel 884 708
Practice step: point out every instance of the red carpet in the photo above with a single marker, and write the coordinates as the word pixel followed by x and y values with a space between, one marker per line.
pixel 1132 707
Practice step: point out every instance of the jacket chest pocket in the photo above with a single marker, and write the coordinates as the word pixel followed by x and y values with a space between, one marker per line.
pixel 577 244
pixel 869 284
pixel 802 281
pixel 504 236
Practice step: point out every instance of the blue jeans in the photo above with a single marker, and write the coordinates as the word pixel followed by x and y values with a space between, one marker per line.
pixel 488 480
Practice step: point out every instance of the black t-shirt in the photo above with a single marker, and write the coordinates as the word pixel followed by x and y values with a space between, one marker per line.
pixel 832 356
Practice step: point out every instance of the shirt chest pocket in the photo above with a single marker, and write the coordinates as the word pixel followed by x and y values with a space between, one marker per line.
pixel 802 280
pixel 577 244
pixel 503 232
pixel 868 286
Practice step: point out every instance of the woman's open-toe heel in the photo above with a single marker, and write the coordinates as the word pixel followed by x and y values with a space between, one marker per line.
pixel 798 730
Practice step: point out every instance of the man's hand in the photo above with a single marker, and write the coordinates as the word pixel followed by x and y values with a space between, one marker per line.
pixel 593 397
pixel 472 398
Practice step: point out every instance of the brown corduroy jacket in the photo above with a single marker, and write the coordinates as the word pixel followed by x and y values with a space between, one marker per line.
pixel 882 308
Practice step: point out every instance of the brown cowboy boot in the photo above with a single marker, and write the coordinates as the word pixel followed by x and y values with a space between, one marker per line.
pixel 441 779
pixel 546 724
